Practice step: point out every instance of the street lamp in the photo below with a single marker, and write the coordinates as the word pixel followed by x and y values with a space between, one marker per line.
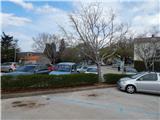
pixel 15 47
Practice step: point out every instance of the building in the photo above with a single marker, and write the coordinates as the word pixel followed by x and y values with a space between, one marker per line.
pixel 32 58
pixel 147 48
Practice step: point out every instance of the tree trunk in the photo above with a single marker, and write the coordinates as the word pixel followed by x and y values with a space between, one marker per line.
pixel 153 65
pixel 146 66
pixel 100 76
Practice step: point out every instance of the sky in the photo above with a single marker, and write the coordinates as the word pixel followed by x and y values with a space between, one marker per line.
pixel 26 19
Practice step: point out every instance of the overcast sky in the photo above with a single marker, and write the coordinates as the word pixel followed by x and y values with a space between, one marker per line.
pixel 26 19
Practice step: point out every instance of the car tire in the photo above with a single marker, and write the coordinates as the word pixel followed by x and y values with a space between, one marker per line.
pixel 130 89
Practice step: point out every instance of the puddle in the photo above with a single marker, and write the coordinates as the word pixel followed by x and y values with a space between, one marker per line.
pixel 26 104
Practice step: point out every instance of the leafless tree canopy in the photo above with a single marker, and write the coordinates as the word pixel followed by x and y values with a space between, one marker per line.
pixel 147 52
pixel 42 39
pixel 96 30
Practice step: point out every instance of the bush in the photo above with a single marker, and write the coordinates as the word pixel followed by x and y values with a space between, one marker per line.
pixel 113 78
pixel 47 81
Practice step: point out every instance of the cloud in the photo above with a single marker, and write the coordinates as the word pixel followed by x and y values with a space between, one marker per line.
pixel 25 5
pixel 46 9
pixel 142 14
pixel 21 36
pixel 47 18
pixel 9 19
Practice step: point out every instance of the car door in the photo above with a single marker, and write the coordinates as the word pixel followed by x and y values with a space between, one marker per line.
pixel 42 69
pixel 148 82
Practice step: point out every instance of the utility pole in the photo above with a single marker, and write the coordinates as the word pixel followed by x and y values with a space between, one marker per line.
pixel 15 48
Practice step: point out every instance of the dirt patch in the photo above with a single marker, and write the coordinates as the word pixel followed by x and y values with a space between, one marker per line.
pixel 20 105
pixel 16 102
pixel 47 98
pixel 27 104
pixel 92 95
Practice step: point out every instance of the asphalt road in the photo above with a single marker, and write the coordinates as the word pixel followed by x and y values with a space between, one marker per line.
pixel 95 104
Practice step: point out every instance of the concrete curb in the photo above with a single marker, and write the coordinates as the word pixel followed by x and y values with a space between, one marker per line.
pixel 14 95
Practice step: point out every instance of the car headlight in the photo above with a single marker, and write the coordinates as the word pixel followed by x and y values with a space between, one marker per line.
pixel 122 82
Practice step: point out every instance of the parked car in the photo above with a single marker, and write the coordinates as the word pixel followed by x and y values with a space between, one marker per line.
pixel 130 71
pixel 64 68
pixel 116 64
pixel 142 82
pixel 9 66
pixel 81 69
pixel 29 69
pixel 92 70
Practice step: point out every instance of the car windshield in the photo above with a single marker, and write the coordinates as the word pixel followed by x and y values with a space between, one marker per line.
pixel 26 68
pixel 92 70
pixel 79 66
pixel 135 76
pixel 63 68
pixel 85 67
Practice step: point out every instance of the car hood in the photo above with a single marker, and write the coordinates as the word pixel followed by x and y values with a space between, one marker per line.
pixel 17 73
pixel 59 73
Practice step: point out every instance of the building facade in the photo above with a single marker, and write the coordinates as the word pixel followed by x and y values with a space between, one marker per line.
pixel 147 49
pixel 32 58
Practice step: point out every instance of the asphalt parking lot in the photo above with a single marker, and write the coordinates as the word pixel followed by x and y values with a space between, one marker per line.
pixel 108 103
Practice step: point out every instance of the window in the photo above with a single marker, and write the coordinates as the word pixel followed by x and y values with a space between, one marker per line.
pixel 148 77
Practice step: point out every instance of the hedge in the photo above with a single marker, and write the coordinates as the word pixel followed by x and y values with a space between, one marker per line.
pixel 139 66
pixel 47 81
pixel 111 78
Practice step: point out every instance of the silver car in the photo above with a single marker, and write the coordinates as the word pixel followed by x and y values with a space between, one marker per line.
pixel 142 82
pixel 6 67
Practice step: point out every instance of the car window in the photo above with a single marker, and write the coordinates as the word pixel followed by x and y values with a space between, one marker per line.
pixel 84 67
pixel 135 76
pixel 63 68
pixel 149 77
pixel 92 70
pixel 42 67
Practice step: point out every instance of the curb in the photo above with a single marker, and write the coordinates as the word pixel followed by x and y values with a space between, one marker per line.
pixel 15 95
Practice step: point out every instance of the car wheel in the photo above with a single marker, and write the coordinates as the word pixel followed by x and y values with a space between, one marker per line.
pixel 130 89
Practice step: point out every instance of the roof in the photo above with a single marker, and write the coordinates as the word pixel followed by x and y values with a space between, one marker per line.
pixel 146 39
pixel 66 63
pixel 33 53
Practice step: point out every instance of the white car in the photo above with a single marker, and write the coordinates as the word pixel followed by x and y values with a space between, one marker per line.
pixel 8 66
pixel 81 69
pixel 64 68
pixel 92 70
pixel 142 82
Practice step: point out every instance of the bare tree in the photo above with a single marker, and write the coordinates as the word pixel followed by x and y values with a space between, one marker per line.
pixel 42 39
pixel 146 51
pixel 50 52
pixel 96 31
pixel 49 44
